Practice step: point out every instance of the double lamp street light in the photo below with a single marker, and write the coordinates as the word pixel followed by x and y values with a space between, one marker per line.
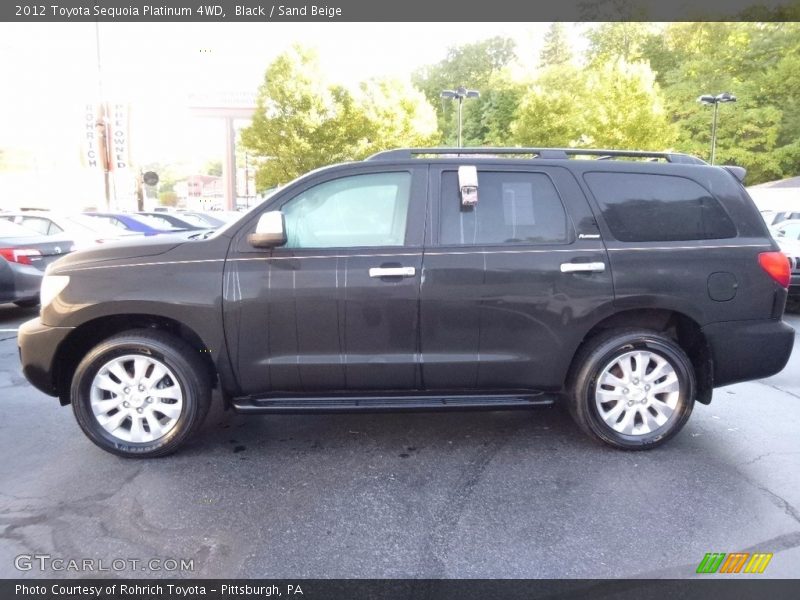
pixel 715 100
pixel 460 94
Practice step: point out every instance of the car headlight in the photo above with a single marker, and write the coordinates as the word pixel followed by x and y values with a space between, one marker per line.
pixel 52 286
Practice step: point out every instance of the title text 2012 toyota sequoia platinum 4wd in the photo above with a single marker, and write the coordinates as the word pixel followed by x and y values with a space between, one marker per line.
pixel 625 284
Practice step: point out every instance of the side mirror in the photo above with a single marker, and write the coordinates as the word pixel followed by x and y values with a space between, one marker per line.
pixel 270 231
pixel 468 185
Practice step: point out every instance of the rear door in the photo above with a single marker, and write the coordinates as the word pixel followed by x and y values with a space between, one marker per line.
pixel 510 285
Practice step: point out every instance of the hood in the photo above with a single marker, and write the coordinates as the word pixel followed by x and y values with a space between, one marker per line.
pixel 139 247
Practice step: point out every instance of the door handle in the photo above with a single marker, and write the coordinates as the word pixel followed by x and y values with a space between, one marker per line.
pixel 392 272
pixel 592 267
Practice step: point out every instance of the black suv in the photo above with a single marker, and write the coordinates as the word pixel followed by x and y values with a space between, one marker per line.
pixel 626 285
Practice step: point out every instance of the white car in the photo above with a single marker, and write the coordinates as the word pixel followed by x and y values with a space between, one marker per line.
pixel 787 234
pixel 85 231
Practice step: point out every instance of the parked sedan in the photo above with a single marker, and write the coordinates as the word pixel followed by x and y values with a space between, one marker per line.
pixel 180 221
pixel 207 219
pixel 83 230
pixel 24 255
pixel 787 234
pixel 143 224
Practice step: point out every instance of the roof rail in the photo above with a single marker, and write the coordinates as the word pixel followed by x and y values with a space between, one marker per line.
pixel 553 153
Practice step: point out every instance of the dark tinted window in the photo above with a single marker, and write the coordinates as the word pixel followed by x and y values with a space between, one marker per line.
pixel 513 208
pixel 658 208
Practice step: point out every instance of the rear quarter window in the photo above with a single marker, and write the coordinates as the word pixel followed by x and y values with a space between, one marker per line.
pixel 643 207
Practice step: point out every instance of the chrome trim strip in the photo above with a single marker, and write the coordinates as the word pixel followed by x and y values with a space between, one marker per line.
pixel 420 253
pixel 698 247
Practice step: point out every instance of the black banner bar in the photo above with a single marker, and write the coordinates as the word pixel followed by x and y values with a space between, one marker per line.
pixel 397 589
pixel 399 10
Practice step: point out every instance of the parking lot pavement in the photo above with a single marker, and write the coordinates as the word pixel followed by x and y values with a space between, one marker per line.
pixel 497 494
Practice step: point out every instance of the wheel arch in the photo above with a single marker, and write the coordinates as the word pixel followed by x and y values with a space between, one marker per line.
pixel 84 337
pixel 682 328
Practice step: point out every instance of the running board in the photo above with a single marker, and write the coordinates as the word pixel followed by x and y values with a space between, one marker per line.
pixel 295 405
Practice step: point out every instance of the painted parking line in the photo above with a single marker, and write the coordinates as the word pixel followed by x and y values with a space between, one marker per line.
pixel 9 330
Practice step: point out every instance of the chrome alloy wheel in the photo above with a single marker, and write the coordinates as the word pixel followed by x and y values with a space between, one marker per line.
pixel 637 393
pixel 136 398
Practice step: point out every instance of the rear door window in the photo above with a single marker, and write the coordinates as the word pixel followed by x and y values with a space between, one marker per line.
pixel 513 207
pixel 643 207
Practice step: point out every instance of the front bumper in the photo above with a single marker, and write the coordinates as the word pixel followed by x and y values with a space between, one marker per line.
pixel 747 350
pixel 38 346
pixel 794 285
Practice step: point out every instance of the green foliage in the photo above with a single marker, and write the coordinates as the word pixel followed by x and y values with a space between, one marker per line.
pixel 214 168
pixel 760 64
pixel 302 122
pixel 614 105
pixel 556 50
pixel 487 120
pixel 168 199
pixel 472 65
pixel 636 88
pixel 551 112
pixel 613 41
pixel 626 108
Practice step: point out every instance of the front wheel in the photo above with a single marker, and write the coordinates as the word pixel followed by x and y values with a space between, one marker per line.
pixel 140 393
pixel 632 389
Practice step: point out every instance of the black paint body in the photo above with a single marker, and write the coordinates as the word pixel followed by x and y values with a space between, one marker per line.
pixel 473 321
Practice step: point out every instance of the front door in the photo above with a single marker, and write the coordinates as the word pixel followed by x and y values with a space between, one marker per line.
pixel 336 307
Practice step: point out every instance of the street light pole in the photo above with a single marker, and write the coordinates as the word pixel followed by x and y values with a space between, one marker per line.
pixel 460 94
pixel 715 100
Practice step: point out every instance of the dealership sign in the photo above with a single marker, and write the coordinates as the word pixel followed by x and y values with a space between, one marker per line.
pixel 106 136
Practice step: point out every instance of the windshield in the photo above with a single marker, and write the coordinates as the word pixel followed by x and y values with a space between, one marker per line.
pixel 92 225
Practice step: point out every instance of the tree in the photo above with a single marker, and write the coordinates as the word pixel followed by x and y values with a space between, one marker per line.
pixel 760 64
pixel 303 122
pixel 621 40
pixel 556 50
pixel 625 109
pixel 397 114
pixel 550 112
pixel 168 199
pixel 614 105
pixel 214 168
pixel 472 65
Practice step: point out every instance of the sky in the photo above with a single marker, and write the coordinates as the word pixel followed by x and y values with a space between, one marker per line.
pixel 53 66
pixel 50 70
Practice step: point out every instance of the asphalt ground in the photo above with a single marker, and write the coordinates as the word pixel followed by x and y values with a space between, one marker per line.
pixel 482 494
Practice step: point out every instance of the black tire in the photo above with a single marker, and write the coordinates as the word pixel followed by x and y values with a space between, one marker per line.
pixel 601 351
pixel 28 302
pixel 189 370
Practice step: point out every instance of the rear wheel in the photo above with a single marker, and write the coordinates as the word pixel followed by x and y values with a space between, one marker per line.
pixel 140 393
pixel 632 389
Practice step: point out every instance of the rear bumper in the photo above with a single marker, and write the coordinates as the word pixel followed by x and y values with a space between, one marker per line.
pixel 38 345
pixel 19 282
pixel 746 350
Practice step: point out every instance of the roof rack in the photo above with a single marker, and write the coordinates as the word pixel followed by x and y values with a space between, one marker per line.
pixel 550 153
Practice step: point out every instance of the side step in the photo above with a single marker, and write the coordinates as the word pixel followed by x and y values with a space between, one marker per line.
pixel 333 404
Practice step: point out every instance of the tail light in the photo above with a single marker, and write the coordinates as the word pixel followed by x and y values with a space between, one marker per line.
pixel 21 256
pixel 776 264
